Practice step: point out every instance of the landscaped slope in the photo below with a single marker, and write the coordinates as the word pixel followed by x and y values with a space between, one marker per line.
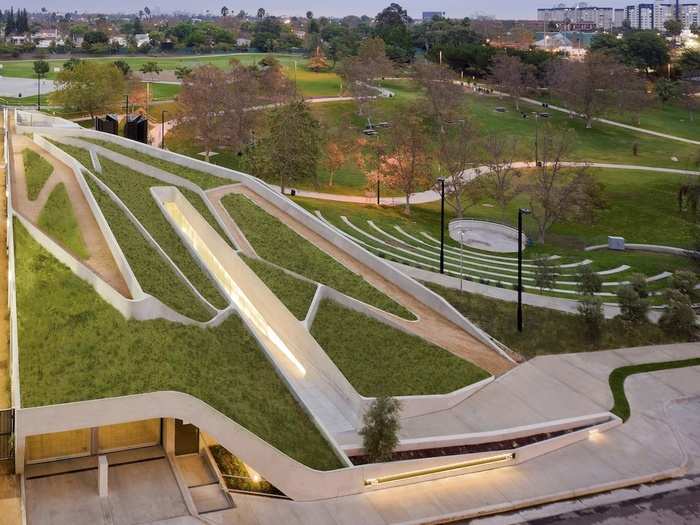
pixel 278 244
pixel 57 218
pixel 380 360
pixel 155 276
pixel 37 171
pixel 74 346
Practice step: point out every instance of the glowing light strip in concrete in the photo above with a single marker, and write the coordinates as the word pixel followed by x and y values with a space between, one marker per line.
pixel 245 306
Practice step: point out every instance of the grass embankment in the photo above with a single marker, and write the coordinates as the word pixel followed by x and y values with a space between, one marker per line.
pixel 57 218
pixel 133 188
pixel 275 242
pixel 155 276
pixel 74 346
pixel 547 331
pixel 194 176
pixel 621 406
pixel 37 171
pixel 294 293
pixel 380 360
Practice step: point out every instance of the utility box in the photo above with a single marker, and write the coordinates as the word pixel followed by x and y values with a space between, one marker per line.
pixel 136 128
pixel 616 243
pixel 109 124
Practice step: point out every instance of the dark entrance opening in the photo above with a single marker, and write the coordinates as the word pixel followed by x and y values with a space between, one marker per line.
pixel 186 438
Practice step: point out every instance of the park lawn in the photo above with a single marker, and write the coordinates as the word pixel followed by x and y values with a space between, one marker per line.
pixel 155 276
pixel 312 84
pixel 385 361
pixel 37 171
pixel 278 244
pixel 57 218
pixel 547 331
pixel 621 406
pixel 296 294
pixel 30 100
pixel 74 346
pixel 161 91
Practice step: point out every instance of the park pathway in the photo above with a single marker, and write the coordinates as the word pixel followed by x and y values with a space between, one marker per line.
pixel 430 325
pixel 100 260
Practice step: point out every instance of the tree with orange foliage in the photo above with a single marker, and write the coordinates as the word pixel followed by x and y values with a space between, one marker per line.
pixel 318 61
pixel 334 159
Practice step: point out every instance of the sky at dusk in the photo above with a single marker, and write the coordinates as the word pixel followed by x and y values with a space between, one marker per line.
pixel 522 9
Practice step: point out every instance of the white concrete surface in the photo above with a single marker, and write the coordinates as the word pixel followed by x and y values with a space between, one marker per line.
pixel 24 87
pixel 484 235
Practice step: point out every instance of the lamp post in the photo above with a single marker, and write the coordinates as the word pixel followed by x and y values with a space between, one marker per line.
pixel 442 224
pixel 162 129
pixel 126 107
pixel 378 199
pixel 537 138
pixel 38 90
pixel 521 212
pixel 461 251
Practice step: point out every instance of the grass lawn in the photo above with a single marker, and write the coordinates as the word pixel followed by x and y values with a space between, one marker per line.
pixel 161 91
pixel 153 273
pixel 547 331
pixel 621 406
pixel 37 171
pixel 57 218
pixel 74 346
pixel 133 188
pixel 294 293
pixel 278 244
pixel 387 361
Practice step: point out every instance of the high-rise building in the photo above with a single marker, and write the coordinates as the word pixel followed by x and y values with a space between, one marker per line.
pixel 581 13
pixel 430 15
pixel 655 16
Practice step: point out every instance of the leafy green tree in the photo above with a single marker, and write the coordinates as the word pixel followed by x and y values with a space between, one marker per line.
pixel 667 90
pixel 686 283
pixel 380 433
pixel 41 68
pixel 645 50
pixel 91 87
pixel 678 318
pixel 545 273
pixel 391 25
pixel 689 62
pixel 182 71
pixel 673 26
pixel 71 63
pixel 123 66
pixel 590 309
pixel 291 149
pixel 151 67
pixel 588 281
pixel 633 308
pixel 638 281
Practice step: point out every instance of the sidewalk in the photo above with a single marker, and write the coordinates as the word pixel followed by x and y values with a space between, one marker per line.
pixel 648 447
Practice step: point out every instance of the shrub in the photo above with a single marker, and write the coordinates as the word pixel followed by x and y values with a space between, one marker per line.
pixel 633 307
pixel 589 282
pixel 638 281
pixel 545 275
pixel 685 281
pixel 590 310
pixel 678 318
pixel 380 433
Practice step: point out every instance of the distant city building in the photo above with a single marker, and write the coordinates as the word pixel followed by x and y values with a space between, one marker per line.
pixel 430 15
pixel 655 15
pixel 581 13
pixel 619 18
pixel 571 43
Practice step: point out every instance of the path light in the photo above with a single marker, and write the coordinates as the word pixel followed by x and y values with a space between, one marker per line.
pixel 521 212
pixel 442 224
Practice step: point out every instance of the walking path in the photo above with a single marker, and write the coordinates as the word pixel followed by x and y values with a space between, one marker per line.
pixel 100 260
pixel 424 197
pixel 648 447
pixel 429 325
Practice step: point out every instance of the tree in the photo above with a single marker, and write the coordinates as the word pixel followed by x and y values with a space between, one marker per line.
pixel 513 76
pixel 261 13
pixel 588 281
pixel 309 15
pixel 123 66
pixel 545 273
pixel 678 318
pixel 291 150
pixel 673 26
pixel 689 63
pixel 596 85
pixel 638 281
pixel 334 159
pixel 41 68
pixel 405 165
pixel 667 90
pixel 499 153
pixel 645 50
pixel 590 309
pixel 443 94
pixel 151 67
pixel 71 63
pixel 380 433
pixel 633 308
pixel 457 155
pixel 224 11
pixel 89 87
pixel 318 61
pixel 685 282
pixel 182 71
pixel 558 193
pixel 391 25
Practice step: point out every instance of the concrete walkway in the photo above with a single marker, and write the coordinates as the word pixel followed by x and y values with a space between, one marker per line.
pixel 648 447
pixel 100 260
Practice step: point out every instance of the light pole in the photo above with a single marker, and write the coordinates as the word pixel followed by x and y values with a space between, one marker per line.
pixel 537 138
pixel 521 212
pixel 162 129
pixel 461 251
pixel 126 107
pixel 38 90
pixel 442 224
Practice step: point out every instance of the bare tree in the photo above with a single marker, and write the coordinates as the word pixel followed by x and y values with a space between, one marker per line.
pixel 443 94
pixel 558 192
pixel 514 77
pixel 596 85
pixel 499 181
pixel 457 157
pixel 405 164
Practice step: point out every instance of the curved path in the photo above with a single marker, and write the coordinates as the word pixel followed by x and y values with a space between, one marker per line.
pixel 427 196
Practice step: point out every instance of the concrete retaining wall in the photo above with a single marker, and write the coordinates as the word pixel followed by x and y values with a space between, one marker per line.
pixel 657 248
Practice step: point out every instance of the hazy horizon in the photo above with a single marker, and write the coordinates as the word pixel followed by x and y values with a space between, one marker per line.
pixel 504 9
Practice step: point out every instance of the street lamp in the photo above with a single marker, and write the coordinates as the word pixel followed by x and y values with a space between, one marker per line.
pixel 162 129
pixel 126 107
pixel 521 212
pixel 537 138
pixel 442 224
